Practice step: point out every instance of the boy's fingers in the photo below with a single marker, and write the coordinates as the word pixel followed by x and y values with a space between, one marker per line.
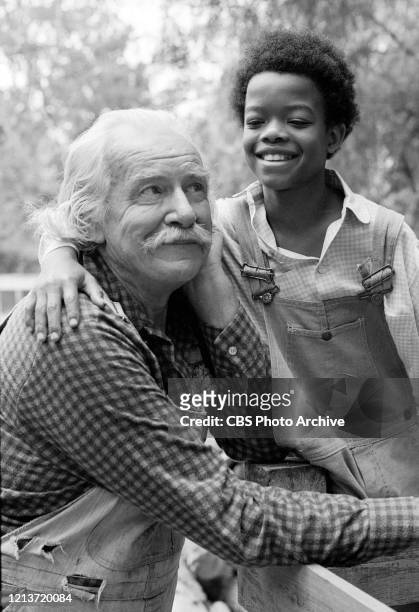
pixel 30 310
pixel 54 313
pixel 71 303
pixel 41 316
pixel 94 291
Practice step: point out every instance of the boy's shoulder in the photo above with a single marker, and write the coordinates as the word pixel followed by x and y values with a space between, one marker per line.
pixel 377 217
pixel 230 211
pixel 381 218
pixel 228 206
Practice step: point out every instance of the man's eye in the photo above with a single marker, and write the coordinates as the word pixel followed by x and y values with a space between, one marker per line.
pixel 151 190
pixel 196 188
pixel 196 192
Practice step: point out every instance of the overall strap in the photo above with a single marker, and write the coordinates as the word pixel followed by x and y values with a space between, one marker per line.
pixel 255 263
pixel 377 276
pixel 387 226
pixel 255 267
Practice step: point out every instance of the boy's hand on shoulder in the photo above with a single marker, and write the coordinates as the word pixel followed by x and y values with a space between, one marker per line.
pixel 60 280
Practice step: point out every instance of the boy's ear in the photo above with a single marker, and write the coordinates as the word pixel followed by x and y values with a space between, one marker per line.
pixel 336 136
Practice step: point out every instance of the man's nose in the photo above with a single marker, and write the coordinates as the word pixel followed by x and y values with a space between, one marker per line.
pixel 275 131
pixel 181 212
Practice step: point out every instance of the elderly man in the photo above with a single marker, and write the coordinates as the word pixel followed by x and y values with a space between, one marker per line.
pixel 100 482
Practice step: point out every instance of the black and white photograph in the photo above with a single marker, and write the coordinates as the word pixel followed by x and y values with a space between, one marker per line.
pixel 209 305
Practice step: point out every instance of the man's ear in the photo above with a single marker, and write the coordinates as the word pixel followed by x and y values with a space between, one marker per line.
pixel 336 136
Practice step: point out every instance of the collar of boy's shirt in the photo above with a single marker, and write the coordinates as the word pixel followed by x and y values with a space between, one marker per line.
pixel 352 201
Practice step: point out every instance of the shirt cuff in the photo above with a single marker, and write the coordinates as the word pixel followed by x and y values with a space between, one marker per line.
pixel 394 524
pixel 237 350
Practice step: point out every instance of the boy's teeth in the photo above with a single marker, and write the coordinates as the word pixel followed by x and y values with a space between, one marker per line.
pixel 276 157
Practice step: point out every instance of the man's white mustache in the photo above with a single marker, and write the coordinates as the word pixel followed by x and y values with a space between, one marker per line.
pixel 197 234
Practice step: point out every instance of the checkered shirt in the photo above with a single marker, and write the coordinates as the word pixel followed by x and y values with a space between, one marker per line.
pixel 92 410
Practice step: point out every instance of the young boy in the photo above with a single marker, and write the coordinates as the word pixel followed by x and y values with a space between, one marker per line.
pixel 331 279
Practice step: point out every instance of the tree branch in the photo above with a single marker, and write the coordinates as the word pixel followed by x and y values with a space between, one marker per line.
pixel 407 49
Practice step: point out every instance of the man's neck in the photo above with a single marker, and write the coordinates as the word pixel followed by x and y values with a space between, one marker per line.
pixel 140 295
pixel 153 300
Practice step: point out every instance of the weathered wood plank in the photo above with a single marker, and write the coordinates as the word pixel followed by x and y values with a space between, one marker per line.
pixel 302 588
pixel 393 580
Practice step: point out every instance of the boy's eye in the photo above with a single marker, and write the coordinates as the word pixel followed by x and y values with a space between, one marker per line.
pixel 253 122
pixel 299 123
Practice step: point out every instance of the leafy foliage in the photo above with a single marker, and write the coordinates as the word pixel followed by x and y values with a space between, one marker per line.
pixel 65 64
pixel 65 61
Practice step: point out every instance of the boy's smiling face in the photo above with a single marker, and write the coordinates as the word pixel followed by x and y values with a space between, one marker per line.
pixel 285 137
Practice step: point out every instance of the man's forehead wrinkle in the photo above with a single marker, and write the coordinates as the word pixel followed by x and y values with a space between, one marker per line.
pixel 149 156
pixel 140 168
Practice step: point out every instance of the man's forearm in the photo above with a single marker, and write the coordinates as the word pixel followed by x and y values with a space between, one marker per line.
pixel 47 245
pixel 342 530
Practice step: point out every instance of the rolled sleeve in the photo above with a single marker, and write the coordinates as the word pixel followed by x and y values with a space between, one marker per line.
pixel 392 521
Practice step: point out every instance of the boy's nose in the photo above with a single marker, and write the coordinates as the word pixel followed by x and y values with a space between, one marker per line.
pixel 181 212
pixel 275 131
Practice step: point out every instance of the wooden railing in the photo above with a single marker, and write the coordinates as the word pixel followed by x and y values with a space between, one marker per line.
pixel 369 587
pixel 12 288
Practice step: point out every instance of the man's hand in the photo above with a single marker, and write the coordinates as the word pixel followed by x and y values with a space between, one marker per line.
pixel 211 292
pixel 61 278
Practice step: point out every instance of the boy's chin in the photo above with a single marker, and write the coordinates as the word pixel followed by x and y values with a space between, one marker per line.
pixel 275 183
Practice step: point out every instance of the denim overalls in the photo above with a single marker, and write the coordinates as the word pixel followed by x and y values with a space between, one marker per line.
pixel 99 550
pixel 345 339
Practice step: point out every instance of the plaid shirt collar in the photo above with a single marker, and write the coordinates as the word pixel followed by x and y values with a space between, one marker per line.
pixel 125 304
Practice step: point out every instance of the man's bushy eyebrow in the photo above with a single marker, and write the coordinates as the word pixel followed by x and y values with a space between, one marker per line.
pixel 141 174
pixel 197 173
pixel 137 179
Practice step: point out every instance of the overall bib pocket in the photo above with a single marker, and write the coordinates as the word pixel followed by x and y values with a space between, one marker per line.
pixel 329 350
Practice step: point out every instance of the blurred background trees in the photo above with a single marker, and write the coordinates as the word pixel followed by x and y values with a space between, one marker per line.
pixel 62 62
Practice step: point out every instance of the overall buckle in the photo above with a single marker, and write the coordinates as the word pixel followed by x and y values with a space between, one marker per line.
pixel 257 272
pixel 377 284
pixel 265 275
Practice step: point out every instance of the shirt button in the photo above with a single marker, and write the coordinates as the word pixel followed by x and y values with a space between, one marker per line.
pixel 232 350
pixel 326 335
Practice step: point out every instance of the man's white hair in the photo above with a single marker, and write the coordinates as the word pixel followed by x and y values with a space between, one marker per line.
pixel 87 177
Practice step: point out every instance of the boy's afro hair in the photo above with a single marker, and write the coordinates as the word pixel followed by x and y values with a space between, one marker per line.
pixel 300 52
